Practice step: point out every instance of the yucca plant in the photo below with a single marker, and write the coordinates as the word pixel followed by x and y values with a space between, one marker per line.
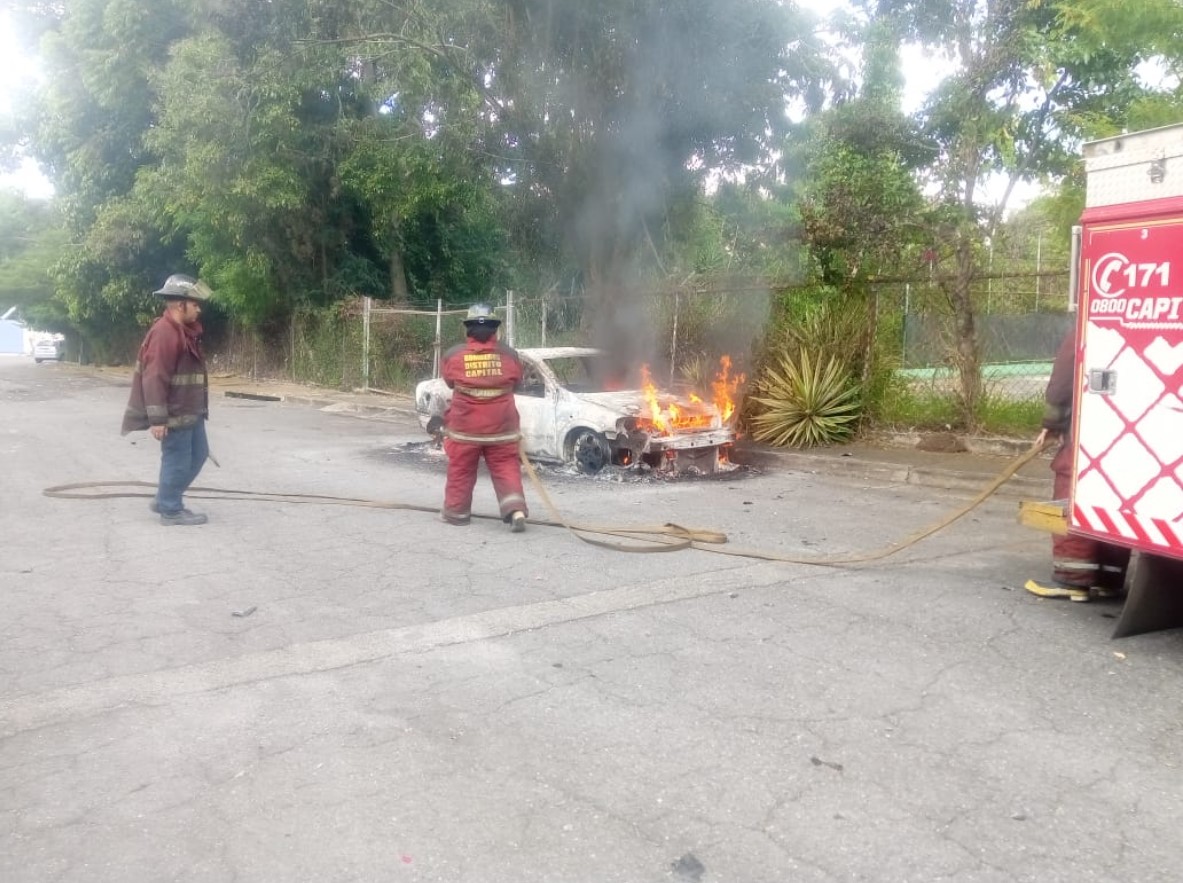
pixel 805 401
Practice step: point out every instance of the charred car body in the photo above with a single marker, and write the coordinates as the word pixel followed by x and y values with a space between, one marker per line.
pixel 573 411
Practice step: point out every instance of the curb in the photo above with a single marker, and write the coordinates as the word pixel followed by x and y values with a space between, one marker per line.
pixel 878 470
pixel 994 446
pixel 331 405
pixel 367 410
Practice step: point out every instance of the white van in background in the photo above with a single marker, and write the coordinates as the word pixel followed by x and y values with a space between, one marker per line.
pixel 48 350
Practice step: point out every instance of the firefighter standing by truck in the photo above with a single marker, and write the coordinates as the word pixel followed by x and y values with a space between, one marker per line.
pixel 1079 563
pixel 482 420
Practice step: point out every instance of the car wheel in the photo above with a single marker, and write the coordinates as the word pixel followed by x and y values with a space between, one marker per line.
pixel 589 451
pixel 38 361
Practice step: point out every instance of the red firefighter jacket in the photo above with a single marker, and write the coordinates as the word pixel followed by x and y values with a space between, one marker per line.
pixel 483 377
pixel 1057 414
pixel 170 386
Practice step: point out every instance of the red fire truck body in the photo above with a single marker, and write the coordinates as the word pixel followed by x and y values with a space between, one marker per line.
pixel 1128 419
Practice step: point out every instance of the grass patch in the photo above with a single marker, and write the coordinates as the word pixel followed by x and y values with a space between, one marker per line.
pixel 1003 416
pixel 902 406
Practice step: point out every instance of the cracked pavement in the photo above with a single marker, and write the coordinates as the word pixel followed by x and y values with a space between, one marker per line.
pixel 414 701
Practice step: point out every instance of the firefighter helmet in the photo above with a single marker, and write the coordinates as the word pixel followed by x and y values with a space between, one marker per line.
pixel 481 314
pixel 181 287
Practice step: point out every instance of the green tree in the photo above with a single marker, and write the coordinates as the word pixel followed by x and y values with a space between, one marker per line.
pixel 858 197
pixel 86 127
pixel 31 240
pixel 853 189
pixel 1027 89
pixel 245 176
pixel 248 143
pixel 104 283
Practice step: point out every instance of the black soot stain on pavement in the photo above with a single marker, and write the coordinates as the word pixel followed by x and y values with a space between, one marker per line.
pixel 430 457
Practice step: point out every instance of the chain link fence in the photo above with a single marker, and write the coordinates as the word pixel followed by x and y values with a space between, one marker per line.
pixel 1021 321
pixel 686 330
pixel 359 344
pixel 363 344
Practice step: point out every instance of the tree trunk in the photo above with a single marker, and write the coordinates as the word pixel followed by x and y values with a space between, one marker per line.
pixel 870 333
pixel 399 290
pixel 966 355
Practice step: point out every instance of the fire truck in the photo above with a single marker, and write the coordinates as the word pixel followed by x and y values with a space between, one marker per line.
pixel 1126 284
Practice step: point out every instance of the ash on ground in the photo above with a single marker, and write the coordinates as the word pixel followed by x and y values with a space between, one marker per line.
pixel 429 455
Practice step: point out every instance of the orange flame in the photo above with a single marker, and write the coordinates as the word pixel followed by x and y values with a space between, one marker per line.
pixel 665 415
pixel 726 388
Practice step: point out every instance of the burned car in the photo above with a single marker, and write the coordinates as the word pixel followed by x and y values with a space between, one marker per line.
pixel 576 409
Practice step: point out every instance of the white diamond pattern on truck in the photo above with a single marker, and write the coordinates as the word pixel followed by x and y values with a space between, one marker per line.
pixel 1129 453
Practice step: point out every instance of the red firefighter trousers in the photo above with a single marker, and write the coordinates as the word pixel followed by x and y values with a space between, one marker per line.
pixel 1081 561
pixel 501 458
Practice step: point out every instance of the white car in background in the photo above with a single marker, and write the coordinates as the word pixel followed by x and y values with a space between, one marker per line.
pixel 571 415
pixel 49 350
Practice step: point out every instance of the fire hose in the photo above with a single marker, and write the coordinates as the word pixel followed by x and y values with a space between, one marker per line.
pixel 673 537
pixel 666 537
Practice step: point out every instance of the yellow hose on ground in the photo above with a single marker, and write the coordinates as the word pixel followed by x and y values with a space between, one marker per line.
pixel 640 538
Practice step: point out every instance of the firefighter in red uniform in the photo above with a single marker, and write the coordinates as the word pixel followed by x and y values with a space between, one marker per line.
pixel 482 420
pixel 1078 563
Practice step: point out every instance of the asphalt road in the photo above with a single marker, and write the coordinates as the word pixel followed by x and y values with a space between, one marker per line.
pixel 314 693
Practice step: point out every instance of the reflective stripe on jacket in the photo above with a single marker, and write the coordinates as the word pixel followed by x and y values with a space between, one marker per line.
pixel 170 386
